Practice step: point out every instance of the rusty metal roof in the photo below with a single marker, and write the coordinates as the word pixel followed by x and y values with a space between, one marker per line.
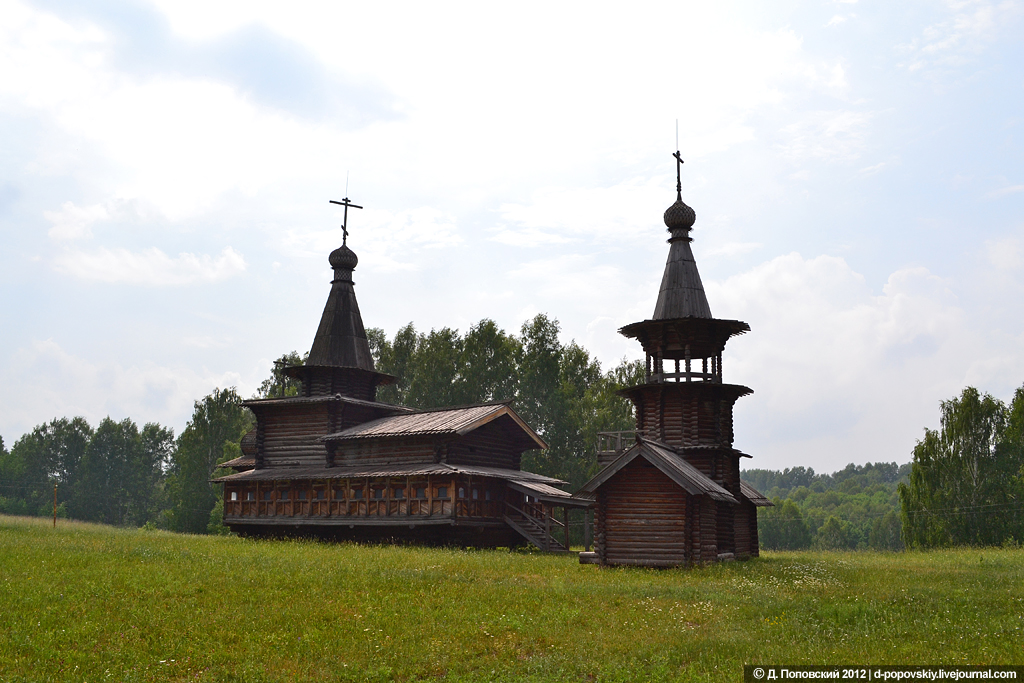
pixel 670 463
pixel 754 496
pixel 412 470
pixel 455 421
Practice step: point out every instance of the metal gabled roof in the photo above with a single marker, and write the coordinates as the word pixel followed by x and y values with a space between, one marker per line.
pixel 671 465
pixel 754 496
pixel 549 494
pixel 453 421
pixel 410 470
pixel 325 398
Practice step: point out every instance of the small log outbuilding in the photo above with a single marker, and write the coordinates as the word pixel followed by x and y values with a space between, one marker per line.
pixel 672 495
pixel 335 462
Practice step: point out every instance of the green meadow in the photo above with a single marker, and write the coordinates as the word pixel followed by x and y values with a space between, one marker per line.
pixel 86 602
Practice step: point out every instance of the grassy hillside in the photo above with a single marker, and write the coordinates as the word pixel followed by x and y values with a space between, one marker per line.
pixel 93 603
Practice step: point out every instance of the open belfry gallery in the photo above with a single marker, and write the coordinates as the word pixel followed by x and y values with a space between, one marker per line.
pixel 336 463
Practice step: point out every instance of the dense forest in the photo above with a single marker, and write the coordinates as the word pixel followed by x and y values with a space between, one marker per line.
pixel 854 508
pixel 964 486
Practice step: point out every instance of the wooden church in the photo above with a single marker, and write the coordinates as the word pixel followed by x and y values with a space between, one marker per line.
pixel 335 462
pixel 674 496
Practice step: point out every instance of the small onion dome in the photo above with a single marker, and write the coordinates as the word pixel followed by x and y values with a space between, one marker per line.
pixel 679 216
pixel 343 257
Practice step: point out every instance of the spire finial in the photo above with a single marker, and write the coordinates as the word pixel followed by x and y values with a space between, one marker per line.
pixel 344 225
pixel 679 178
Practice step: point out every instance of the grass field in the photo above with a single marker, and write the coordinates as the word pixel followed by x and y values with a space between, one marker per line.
pixel 93 603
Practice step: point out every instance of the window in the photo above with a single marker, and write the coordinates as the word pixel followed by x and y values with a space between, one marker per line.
pixel 284 495
pixel 301 495
pixel 234 495
pixel 378 494
pixel 462 492
pixel 320 494
pixel 487 494
pixel 476 494
pixel 357 494
pixel 250 495
pixel 442 492
pixel 268 495
pixel 421 492
pixel 398 493
pixel 338 494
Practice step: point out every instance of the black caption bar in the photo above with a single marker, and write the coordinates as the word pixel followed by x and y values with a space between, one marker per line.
pixel 760 673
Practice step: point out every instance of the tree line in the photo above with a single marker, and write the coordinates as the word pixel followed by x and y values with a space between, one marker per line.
pixel 964 486
pixel 118 473
pixel 854 508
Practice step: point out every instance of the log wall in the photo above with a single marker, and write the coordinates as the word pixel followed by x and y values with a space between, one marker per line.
pixel 492 445
pixel 290 435
pixel 641 518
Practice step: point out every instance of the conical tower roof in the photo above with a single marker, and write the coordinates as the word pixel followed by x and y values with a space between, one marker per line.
pixel 682 293
pixel 341 339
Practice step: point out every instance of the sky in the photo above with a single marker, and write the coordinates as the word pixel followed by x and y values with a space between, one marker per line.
pixel 855 166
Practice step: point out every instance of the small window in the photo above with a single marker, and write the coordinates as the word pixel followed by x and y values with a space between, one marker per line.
pixel 284 495
pixel 250 495
pixel 301 495
pixel 338 494
pixel 442 492
pixel 320 494
pixel 357 494
pixel 398 494
pixel 487 494
pixel 462 492
pixel 268 495
pixel 421 492
pixel 234 495
pixel 378 494
pixel 476 494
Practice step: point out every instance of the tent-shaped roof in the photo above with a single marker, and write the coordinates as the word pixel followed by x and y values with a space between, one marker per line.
pixel 670 463
pixel 443 421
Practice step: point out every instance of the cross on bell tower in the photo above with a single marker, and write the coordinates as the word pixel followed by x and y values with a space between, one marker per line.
pixel 344 225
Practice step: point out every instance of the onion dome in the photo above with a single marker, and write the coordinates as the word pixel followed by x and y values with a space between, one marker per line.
pixel 344 258
pixel 679 216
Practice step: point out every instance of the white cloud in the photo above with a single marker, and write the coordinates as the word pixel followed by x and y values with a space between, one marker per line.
pixel 836 20
pixel 955 41
pixel 150 267
pixel 1003 191
pixel 826 135
pixel 841 374
pixel 64 384
pixel 73 222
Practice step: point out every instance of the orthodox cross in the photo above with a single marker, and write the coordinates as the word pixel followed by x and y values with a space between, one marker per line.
pixel 344 226
pixel 679 182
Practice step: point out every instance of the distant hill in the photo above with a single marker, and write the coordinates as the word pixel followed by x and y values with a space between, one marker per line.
pixel 854 508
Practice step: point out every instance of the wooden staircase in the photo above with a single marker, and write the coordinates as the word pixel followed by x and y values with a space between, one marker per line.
pixel 534 530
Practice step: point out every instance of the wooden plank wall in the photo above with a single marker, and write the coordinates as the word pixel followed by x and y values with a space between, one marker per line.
pixel 291 433
pixel 641 518
pixel 407 450
pixel 492 445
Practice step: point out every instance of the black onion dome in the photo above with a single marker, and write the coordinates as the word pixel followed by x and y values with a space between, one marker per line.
pixel 679 216
pixel 343 257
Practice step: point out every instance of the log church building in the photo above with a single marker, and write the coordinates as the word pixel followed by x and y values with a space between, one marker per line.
pixel 335 462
